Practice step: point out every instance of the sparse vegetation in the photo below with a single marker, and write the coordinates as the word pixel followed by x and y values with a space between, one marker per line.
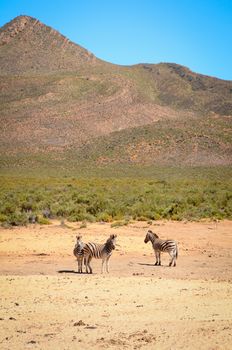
pixel 43 221
pixel 63 105
pixel 177 195
pixel 108 139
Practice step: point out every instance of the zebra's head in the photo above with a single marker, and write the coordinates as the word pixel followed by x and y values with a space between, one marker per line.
pixel 78 242
pixel 149 236
pixel 111 241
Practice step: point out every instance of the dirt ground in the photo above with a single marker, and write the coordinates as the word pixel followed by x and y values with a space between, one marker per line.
pixel 46 304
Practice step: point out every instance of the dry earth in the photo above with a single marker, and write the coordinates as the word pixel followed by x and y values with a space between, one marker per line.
pixel 45 304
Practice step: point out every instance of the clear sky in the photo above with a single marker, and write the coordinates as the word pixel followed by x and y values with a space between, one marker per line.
pixel 194 33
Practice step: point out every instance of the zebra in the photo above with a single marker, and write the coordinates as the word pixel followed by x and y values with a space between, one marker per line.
pixel 99 251
pixel 78 252
pixel 160 245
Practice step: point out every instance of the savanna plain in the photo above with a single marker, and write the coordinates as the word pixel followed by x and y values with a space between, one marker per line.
pixel 93 148
pixel 46 304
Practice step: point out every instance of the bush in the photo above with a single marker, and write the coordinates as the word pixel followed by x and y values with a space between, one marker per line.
pixel 3 218
pixel 176 198
pixel 82 216
pixel 142 218
pixel 104 217
pixel 17 219
pixel 43 221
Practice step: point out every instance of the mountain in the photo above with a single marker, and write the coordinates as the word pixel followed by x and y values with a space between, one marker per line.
pixel 27 45
pixel 61 106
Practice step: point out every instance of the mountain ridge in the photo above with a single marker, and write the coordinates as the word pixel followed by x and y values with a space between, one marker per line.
pixel 25 31
pixel 17 24
pixel 58 99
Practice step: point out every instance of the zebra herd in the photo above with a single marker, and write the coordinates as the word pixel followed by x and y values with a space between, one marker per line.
pixel 84 252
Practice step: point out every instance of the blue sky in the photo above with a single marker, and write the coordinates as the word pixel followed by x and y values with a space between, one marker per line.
pixel 194 33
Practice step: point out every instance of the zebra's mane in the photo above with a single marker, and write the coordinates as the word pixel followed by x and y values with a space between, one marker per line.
pixel 110 239
pixel 110 242
pixel 153 234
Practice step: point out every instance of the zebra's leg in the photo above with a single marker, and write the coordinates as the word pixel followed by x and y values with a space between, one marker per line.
pixel 86 258
pixel 107 264
pixel 103 261
pixel 159 258
pixel 156 257
pixel 84 263
pixel 81 263
pixel 78 260
pixel 88 263
pixel 172 255
pixel 175 257
pixel 77 265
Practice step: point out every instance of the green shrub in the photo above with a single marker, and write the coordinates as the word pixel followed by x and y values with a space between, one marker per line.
pixel 43 221
pixel 28 206
pixel 141 218
pixel 9 208
pixel 83 216
pixel 17 219
pixel 157 216
pixel 193 197
pixel 105 217
pixel 3 218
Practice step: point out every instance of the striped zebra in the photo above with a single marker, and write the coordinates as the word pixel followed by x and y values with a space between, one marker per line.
pixel 78 252
pixel 99 251
pixel 160 245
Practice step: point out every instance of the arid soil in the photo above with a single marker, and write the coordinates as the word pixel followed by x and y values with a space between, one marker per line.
pixel 46 304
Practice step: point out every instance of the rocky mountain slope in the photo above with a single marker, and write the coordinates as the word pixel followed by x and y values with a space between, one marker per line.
pixel 59 103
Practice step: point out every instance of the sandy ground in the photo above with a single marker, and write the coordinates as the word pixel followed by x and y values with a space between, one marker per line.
pixel 45 304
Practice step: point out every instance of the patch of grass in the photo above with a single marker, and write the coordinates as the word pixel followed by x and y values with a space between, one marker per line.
pixel 119 223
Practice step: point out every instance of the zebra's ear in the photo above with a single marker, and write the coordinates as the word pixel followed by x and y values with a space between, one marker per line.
pixel 78 237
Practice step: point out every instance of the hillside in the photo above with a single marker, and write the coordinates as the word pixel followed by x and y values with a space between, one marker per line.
pixel 61 105
pixel 27 45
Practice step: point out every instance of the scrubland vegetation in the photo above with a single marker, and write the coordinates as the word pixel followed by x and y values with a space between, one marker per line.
pixel 166 194
pixel 86 140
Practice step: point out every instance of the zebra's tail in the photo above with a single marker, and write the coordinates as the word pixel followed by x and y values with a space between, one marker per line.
pixel 176 251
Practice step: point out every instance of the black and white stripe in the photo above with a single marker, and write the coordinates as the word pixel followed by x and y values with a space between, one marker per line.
pixel 160 245
pixel 79 253
pixel 99 251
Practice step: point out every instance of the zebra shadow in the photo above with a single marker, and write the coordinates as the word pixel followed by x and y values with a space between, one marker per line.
pixel 143 264
pixel 72 271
